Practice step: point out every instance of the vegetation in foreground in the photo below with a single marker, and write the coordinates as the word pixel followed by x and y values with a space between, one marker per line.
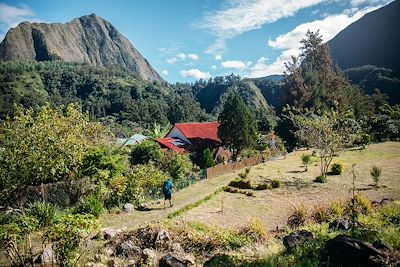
pixel 253 245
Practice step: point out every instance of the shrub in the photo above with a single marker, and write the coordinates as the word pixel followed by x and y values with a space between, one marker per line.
pixel 263 186
pixel 306 160
pixel 144 183
pixel 320 214
pixel 337 168
pixel 180 168
pixel 244 174
pixel 376 174
pixel 90 205
pixel 240 183
pixel 43 212
pixel 275 183
pixel 320 179
pixel 337 209
pixel 298 217
pixel 145 152
pixel 255 230
pixel 363 203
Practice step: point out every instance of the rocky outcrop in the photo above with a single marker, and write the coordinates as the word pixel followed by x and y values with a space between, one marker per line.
pixel 348 251
pixel 88 39
pixel 297 238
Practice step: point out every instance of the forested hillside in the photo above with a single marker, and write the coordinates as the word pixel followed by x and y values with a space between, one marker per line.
pixel 110 94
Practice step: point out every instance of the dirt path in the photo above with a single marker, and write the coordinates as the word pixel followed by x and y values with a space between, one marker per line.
pixel 156 212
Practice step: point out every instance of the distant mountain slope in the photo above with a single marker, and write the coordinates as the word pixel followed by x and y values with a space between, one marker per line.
pixel 88 39
pixel 372 40
pixel 370 78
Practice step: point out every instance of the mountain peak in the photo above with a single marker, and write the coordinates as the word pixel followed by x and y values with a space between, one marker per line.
pixel 87 39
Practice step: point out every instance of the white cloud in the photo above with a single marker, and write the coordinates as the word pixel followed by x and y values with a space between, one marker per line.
pixel 181 56
pixel 289 42
pixel 164 72
pixel 369 2
pixel 195 73
pixel 11 16
pixel 241 16
pixel 193 56
pixel 172 60
pixel 218 57
pixel 214 67
pixel 328 28
pixel 234 64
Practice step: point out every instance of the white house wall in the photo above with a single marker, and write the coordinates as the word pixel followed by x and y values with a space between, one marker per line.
pixel 176 133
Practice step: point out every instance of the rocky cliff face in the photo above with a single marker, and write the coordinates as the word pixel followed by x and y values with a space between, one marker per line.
pixel 88 39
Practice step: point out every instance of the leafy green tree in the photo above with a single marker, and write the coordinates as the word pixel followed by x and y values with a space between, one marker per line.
pixel 46 146
pixel 145 152
pixel 328 133
pixel 238 129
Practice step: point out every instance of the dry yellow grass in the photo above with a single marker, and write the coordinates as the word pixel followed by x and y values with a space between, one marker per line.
pixel 273 206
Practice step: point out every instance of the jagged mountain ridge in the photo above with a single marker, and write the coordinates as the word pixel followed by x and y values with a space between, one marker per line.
pixel 88 39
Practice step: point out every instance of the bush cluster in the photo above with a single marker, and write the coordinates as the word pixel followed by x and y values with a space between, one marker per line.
pixel 337 168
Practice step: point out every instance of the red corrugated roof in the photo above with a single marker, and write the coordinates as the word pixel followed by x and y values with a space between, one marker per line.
pixel 167 142
pixel 200 130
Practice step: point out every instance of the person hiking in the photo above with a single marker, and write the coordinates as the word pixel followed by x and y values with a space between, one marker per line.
pixel 167 191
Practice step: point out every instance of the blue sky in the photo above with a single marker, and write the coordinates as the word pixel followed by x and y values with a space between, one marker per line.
pixel 187 40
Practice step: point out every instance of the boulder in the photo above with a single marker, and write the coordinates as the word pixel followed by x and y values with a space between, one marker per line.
pixel 162 239
pixel 48 257
pixel 296 238
pixel 347 251
pixel 381 245
pixel 340 224
pixel 174 260
pixel 109 233
pixel 128 249
pixel 149 256
pixel 128 208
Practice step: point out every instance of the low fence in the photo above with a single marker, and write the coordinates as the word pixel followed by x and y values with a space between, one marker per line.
pixel 221 169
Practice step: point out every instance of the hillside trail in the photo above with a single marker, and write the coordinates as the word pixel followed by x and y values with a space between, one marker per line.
pixel 156 211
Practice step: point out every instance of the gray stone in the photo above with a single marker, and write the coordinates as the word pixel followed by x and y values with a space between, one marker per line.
pixel 47 258
pixel 162 238
pixel 128 208
pixel 296 238
pixel 128 249
pixel 109 233
pixel 149 256
pixel 340 224
pixel 174 260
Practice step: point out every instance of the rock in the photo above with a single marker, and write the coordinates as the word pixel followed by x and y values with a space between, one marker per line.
pixel 296 238
pixel 162 238
pixel 174 260
pixel 109 251
pixel 128 249
pixel 380 244
pixel 347 251
pixel 386 201
pixel 88 39
pixel 48 258
pixel 340 224
pixel 128 208
pixel 149 256
pixel 109 233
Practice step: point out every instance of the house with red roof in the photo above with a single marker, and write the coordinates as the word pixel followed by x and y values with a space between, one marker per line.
pixel 192 137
